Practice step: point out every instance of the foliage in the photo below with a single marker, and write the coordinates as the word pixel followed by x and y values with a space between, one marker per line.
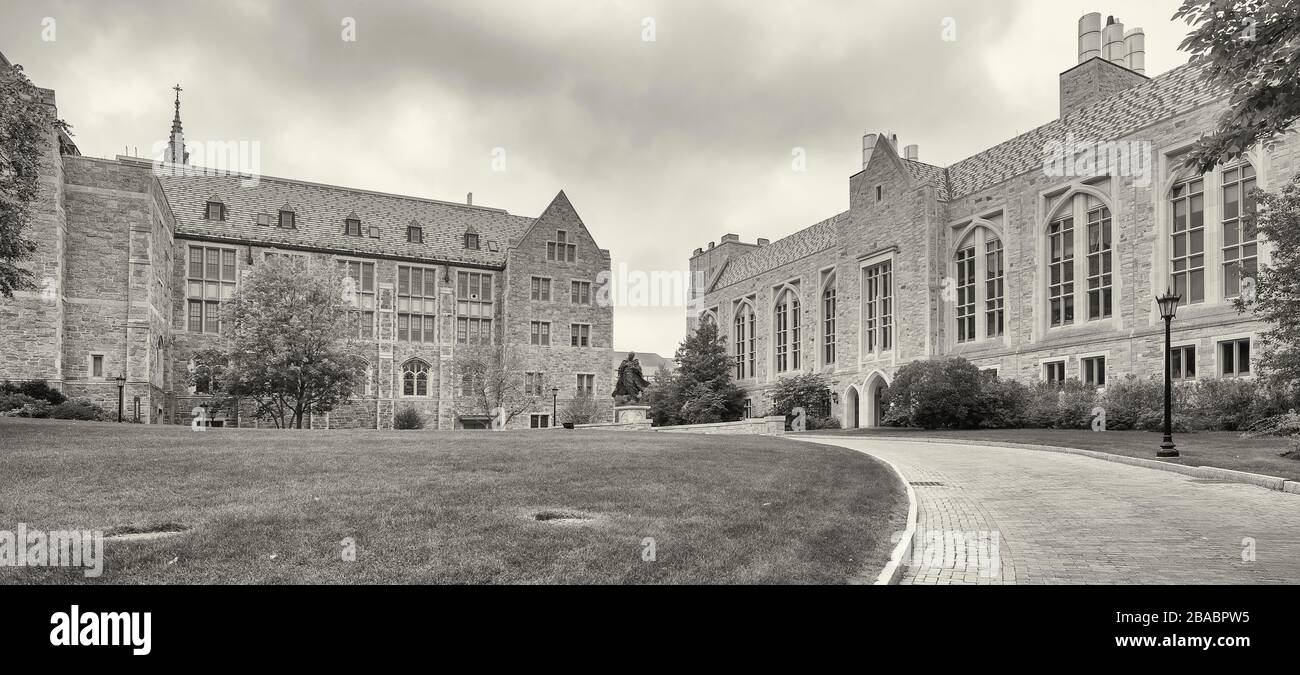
pixel 25 128
pixel 285 343
pixel 14 401
pixel 1250 48
pixel 490 377
pixel 22 405
pixel 809 391
pixel 934 394
pixel 581 409
pixel 408 418
pixel 700 390
pixel 1132 402
pixel 1277 285
pixel 77 410
pixel 37 389
pixel 1002 404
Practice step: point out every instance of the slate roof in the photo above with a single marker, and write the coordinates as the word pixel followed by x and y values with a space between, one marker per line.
pixel 805 242
pixel 928 174
pixel 321 209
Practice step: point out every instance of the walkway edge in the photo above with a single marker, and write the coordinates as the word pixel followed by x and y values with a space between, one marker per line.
pixel 893 570
pixel 1275 483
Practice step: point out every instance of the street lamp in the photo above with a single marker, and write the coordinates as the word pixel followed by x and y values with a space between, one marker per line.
pixel 121 383
pixel 555 395
pixel 1168 305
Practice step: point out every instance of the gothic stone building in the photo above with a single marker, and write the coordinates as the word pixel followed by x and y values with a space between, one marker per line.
pixel 133 263
pixel 1004 261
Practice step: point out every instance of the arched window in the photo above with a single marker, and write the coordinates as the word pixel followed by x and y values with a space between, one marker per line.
pixel 415 378
pixel 743 340
pixel 1082 221
pixel 979 257
pixel 785 322
pixel 828 307
pixel 1240 240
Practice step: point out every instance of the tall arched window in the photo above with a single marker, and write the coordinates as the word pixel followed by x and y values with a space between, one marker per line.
pixel 743 342
pixel 785 322
pixel 1082 221
pixel 828 321
pixel 1240 240
pixel 978 257
pixel 1187 262
pixel 415 378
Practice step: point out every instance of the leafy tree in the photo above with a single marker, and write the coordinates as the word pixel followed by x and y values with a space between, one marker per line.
pixel 934 394
pixel 1277 284
pixel 491 378
pixel 700 390
pixel 581 409
pixel 808 391
pixel 285 343
pixel 1252 49
pixel 25 136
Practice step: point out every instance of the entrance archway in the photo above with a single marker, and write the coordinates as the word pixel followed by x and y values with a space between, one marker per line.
pixel 851 408
pixel 876 385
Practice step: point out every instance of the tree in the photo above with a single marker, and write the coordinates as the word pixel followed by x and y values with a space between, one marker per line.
pixel 933 394
pixel 1277 284
pixel 581 409
pixel 1250 48
pixel 491 378
pixel 286 343
pixel 25 128
pixel 808 391
pixel 700 390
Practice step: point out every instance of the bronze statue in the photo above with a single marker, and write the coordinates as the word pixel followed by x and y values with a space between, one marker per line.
pixel 631 384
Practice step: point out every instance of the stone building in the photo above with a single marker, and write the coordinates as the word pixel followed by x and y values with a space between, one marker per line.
pixel 135 258
pixel 1038 258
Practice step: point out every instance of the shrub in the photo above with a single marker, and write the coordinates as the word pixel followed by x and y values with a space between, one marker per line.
pixel 934 394
pixel 808 391
pixel 34 408
pixel 581 409
pixel 1067 405
pixel 1233 404
pixel 9 401
pixel 1131 402
pixel 36 389
pixel 1003 404
pixel 408 418
pixel 76 410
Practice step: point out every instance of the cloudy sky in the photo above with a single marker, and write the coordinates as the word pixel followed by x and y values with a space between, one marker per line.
pixel 661 145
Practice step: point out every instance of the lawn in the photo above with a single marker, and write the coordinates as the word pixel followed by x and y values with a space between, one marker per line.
pixel 1223 449
pixel 265 506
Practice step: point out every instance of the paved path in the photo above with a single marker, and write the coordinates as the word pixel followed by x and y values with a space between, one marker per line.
pixel 1017 516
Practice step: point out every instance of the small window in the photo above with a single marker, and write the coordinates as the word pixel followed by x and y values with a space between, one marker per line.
pixel 540 333
pixel 216 211
pixel 1234 358
pixel 580 293
pixel 880 192
pixel 415 234
pixel 1182 362
pixel 579 335
pixel 539 421
pixel 1094 371
pixel 1054 372
pixel 264 219
pixel 287 220
pixel 97 366
pixel 541 289
pixel 471 241
pixel 352 227
pixel 749 408
pixel 586 384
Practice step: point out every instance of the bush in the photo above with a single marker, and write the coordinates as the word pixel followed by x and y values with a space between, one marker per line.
pixel 1003 404
pixel 77 410
pixel 36 389
pixel 934 394
pixel 1131 402
pixel 14 401
pixel 32 408
pixel 581 409
pixel 1067 405
pixel 1233 404
pixel 408 418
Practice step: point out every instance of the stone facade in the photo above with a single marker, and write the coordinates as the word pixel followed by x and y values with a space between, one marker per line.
pixel 114 245
pixel 922 221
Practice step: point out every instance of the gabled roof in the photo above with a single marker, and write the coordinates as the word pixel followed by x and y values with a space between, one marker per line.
pixel 803 243
pixel 928 174
pixel 321 209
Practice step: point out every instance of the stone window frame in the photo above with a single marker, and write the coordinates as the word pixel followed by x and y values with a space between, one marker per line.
pixel 427 316
pixel 406 368
pixel 981 231
pixel 792 328
pixel 827 330
pixel 535 420
pixel 581 283
pixel 549 283
pixel 742 307
pixel 558 242
pixel 1216 355
pixel 577 384
pixel 1172 173
pixel 869 261
pixel 534 382
pixel 103 366
pixel 580 334
pixel 1053 360
pixel 1081 361
pixel 369 374
pixel 360 294
pixel 543 336
pixel 486 323
pixel 225 287
pixel 1053 206
pixel 1183 345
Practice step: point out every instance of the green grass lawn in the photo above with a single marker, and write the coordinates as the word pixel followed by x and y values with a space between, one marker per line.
pixel 1223 449
pixel 448 507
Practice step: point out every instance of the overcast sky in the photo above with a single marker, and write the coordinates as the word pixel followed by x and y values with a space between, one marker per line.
pixel 661 145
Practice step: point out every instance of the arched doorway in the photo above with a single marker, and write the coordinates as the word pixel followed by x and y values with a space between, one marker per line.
pixel 876 385
pixel 851 408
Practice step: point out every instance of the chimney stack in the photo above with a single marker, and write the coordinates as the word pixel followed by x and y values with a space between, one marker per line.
pixel 1135 44
pixel 469 199
pixel 763 242
pixel 1112 37
pixel 1089 36
pixel 868 145
pixel 911 152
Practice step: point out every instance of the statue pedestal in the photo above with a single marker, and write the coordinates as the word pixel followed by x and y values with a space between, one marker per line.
pixel 630 413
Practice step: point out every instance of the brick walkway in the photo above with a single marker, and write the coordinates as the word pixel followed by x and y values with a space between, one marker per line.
pixel 1016 516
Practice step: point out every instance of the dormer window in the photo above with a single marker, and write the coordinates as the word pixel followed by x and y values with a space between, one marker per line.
pixel 215 211
pixel 471 241
pixel 352 226
pixel 288 219
pixel 414 234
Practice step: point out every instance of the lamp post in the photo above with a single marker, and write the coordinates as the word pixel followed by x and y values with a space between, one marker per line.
pixel 121 384
pixel 1168 305
pixel 555 397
